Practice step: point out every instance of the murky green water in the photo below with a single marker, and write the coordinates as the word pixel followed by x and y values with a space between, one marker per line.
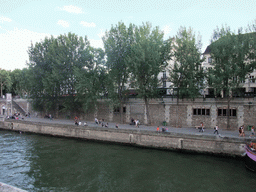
pixel 41 163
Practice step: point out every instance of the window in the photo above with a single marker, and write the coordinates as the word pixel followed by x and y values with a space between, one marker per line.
pixel 224 112
pixel 252 80
pixel 116 110
pixel 201 111
pixel 209 60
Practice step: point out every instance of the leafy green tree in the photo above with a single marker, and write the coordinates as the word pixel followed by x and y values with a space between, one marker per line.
pixel 147 59
pixel 15 78
pixel 117 44
pixel 186 73
pixel 233 59
pixel 53 63
pixel 5 81
pixel 92 80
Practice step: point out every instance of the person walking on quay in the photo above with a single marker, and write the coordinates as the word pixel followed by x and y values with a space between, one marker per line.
pixel 216 130
pixel 252 132
pixel 202 127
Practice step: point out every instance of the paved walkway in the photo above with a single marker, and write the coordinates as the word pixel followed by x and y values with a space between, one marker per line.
pixel 191 131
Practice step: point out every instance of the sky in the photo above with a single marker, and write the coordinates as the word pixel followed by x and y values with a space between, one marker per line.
pixel 26 21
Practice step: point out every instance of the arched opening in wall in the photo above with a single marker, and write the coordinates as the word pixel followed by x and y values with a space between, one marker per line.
pixel 3 111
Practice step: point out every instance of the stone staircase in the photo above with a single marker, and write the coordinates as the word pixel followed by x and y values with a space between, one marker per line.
pixel 18 108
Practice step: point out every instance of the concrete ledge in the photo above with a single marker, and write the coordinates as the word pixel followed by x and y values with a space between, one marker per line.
pixel 172 141
pixel 8 188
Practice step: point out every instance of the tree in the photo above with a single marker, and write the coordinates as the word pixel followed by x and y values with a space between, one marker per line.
pixel 148 57
pixel 53 63
pixel 186 73
pixel 5 81
pixel 117 44
pixel 15 78
pixel 233 59
pixel 92 80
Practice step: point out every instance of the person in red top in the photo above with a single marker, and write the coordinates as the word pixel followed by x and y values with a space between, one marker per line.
pixel 76 119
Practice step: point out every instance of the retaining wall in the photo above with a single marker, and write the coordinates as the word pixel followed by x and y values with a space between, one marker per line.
pixel 172 141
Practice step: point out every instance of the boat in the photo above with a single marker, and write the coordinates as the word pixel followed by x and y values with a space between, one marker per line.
pixel 250 158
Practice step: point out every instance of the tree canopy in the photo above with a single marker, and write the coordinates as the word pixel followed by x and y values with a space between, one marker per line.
pixel 148 57
pixel 186 73
pixel 117 43
pixel 53 63
pixel 5 81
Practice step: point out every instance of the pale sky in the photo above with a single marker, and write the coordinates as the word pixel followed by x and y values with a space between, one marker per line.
pixel 23 21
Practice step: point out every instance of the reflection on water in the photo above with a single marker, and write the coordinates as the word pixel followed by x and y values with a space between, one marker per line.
pixel 41 163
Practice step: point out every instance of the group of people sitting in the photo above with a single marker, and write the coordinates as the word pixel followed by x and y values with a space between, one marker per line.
pixel 163 129
pixel 135 122
pixel 101 122
pixel 16 116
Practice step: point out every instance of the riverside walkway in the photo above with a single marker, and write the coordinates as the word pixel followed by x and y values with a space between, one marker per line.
pixel 111 125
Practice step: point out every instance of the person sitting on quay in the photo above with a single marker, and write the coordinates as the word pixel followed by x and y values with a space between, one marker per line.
pixel 158 129
pixel 132 121
pixel 85 124
pixel 106 125
pixel 137 123
pixel 241 131
pixel 96 120
pixel 76 120
pixel 117 126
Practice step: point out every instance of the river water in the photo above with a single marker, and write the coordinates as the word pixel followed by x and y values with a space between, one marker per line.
pixel 42 163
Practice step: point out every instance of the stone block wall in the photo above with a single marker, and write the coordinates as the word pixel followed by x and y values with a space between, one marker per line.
pixel 206 144
pixel 157 113
pixel 179 114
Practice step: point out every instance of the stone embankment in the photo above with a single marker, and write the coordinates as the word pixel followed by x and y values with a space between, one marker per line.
pixel 225 146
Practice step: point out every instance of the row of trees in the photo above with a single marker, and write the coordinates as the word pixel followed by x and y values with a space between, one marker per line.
pixel 67 74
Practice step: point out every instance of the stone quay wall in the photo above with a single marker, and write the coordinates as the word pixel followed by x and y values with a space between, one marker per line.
pixel 181 113
pixel 170 141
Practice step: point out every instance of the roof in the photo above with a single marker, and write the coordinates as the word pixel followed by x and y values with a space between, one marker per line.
pixel 207 50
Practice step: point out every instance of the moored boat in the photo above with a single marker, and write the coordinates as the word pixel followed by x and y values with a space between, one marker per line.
pixel 250 158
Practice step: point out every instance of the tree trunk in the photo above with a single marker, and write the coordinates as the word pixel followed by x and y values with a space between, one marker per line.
pixel 177 107
pixel 121 112
pixel 228 113
pixel 147 111
pixel 57 110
